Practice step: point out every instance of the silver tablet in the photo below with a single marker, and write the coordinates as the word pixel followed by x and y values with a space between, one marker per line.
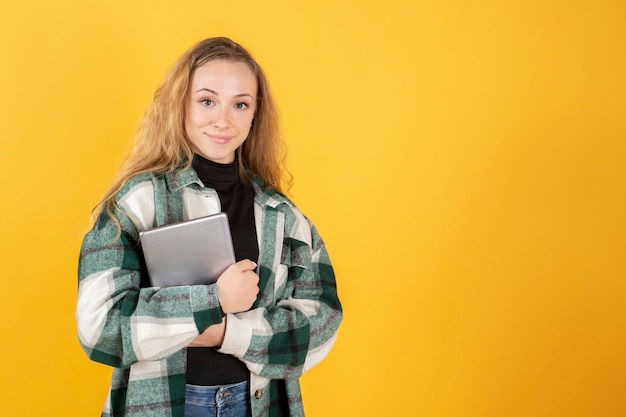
pixel 191 252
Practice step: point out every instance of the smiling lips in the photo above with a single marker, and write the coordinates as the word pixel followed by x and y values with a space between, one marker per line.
pixel 219 139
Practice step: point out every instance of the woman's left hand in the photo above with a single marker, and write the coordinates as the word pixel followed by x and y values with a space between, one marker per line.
pixel 213 336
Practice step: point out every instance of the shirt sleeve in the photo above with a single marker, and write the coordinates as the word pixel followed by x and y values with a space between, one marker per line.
pixel 120 322
pixel 288 337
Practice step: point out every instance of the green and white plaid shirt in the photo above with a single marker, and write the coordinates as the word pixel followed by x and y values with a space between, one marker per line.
pixel 143 331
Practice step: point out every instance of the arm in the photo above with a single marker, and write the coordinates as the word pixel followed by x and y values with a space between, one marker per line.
pixel 120 323
pixel 289 336
pixel 237 289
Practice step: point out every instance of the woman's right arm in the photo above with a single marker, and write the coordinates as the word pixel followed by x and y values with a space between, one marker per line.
pixel 120 323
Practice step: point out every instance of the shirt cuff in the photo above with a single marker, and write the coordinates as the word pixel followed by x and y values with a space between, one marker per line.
pixel 237 337
pixel 205 306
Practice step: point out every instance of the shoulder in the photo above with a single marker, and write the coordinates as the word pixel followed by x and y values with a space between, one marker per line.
pixel 135 184
pixel 296 224
pixel 154 181
pixel 135 201
pixel 146 197
pixel 267 196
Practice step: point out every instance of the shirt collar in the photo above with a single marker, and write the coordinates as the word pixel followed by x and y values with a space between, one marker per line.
pixel 263 194
pixel 182 178
pixel 267 196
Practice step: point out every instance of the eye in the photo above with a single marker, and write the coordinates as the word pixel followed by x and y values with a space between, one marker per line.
pixel 241 106
pixel 206 102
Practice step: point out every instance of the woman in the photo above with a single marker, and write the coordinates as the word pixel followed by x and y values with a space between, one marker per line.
pixel 209 142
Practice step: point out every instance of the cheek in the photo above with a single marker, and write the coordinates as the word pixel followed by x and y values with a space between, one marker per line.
pixel 245 131
pixel 188 117
pixel 193 118
pixel 244 124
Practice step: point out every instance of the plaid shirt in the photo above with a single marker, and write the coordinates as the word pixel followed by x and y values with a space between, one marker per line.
pixel 143 331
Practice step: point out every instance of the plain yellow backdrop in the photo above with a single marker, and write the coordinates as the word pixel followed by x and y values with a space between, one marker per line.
pixel 464 161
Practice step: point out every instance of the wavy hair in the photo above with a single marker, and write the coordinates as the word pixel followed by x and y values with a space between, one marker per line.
pixel 161 144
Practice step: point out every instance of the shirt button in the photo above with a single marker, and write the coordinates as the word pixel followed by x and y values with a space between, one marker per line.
pixel 258 394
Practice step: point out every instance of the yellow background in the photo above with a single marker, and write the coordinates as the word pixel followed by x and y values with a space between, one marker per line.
pixel 464 161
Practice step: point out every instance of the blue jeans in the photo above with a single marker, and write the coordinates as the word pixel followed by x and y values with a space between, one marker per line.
pixel 217 401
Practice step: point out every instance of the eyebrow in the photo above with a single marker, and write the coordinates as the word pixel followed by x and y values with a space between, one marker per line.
pixel 216 93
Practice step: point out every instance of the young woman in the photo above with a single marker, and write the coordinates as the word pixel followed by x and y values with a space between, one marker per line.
pixel 209 142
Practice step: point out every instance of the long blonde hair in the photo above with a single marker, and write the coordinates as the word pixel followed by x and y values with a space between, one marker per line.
pixel 161 144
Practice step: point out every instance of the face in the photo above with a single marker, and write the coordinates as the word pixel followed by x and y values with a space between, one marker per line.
pixel 220 106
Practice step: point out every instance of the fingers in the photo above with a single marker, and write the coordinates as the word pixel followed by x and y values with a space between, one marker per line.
pixel 246 265
pixel 238 287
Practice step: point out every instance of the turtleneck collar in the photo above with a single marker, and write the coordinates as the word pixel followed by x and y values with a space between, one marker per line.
pixel 211 172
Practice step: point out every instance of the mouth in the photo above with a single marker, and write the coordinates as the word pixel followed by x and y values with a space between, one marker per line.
pixel 219 139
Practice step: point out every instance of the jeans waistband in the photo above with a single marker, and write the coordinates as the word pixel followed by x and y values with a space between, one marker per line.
pixel 216 395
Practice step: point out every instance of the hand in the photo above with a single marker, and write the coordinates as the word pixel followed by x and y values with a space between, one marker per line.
pixel 238 287
pixel 213 336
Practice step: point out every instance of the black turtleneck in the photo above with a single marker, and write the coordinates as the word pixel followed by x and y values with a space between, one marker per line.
pixel 237 199
pixel 206 366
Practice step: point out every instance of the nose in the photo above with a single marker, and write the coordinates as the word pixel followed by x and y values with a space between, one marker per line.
pixel 222 119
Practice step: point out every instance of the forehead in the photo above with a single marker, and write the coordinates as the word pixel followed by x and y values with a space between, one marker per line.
pixel 224 76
